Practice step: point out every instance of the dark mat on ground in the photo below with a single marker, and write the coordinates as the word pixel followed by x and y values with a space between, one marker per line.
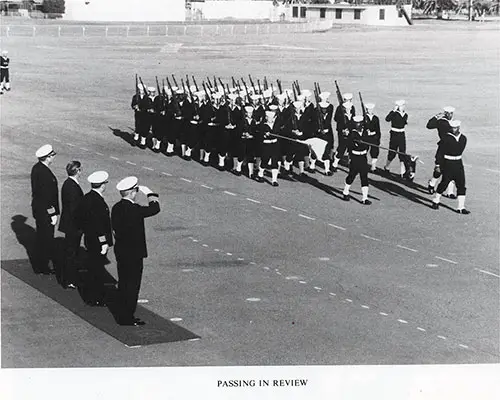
pixel 157 329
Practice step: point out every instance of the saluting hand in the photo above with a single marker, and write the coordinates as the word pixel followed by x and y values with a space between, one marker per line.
pixel 53 219
pixel 145 190
pixel 104 249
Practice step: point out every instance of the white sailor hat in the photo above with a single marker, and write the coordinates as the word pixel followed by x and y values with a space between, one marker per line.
pixel 324 95
pixel 455 123
pixel 179 91
pixel 98 177
pixel 358 118
pixel 44 151
pixel 347 104
pixel 301 97
pixel 306 93
pixel 200 94
pixel 323 104
pixel 192 88
pixel 289 92
pixel 174 88
pixel 216 96
pixel 140 87
pixel 298 104
pixel 281 97
pixel 270 114
pixel 127 183
pixel 449 109
pixel 267 93
pixel 400 103
pixel 347 96
pixel 233 89
pixel 151 89
pixel 256 97
pixel 369 106
pixel 5 52
pixel 249 109
pixel 232 96
pixel 273 107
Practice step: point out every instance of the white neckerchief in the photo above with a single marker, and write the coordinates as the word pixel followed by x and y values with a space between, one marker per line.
pixel 457 138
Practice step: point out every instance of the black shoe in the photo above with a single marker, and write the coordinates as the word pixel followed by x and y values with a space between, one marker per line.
pixel 346 197
pixel 431 189
pixel 187 158
pixel 170 154
pixel 311 171
pixel 139 321
pixel 450 196
pixel 366 202
pixel 435 206
pixel 463 211
pixel 334 169
pixel 275 184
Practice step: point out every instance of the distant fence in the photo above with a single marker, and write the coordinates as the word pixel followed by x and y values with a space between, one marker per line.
pixel 160 30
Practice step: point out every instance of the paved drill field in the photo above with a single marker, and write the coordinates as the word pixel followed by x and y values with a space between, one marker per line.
pixel 270 276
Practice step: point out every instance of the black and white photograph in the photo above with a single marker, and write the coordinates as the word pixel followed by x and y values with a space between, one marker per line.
pixel 250 199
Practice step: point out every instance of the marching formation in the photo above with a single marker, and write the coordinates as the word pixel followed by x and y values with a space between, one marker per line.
pixel 265 127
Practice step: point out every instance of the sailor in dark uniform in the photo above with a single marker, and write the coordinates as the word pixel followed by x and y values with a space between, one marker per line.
pixel 45 208
pixel 248 139
pixel 451 149
pixel 130 246
pixel 139 118
pixel 440 122
pixel 343 117
pixel 270 147
pixel 4 72
pixel 372 127
pixel 71 196
pixel 358 159
pixel 325 113
pixel 93 218
pixel 398 119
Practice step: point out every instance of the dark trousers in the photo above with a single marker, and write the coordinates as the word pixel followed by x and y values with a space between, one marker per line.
pixel 71 249
pixel 453 170
pixel 92 287
pixel 270 155
pixel 129 285
pixel 342 147
pixel 44 245
pixel 4 75
pixel 397 142
pixel 358 165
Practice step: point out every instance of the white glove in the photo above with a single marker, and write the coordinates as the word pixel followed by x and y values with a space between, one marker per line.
pixel 104 249
pixel 145 190
pixel 53 219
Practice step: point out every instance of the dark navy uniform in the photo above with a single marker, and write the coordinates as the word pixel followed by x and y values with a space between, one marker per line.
pixel 397 140
pixel 130 250
pixel 343 118
pixel 93 218
pixel 373 135
pixel 44 205
pixel 4 73
pixel 71 196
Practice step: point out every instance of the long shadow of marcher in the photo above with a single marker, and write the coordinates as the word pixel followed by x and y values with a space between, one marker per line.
pixel 25 235
pixel 127 136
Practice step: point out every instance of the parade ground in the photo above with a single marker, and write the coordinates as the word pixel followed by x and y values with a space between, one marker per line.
pixel 250 274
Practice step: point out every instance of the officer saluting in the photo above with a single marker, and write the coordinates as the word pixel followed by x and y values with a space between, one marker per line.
pixel 450 158
pixel 130 248
pixel 45 207
pixel 92 217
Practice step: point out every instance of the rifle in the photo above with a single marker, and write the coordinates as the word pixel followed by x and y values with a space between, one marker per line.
pixel 215 85
pixel 363 107
pixel 295 98
pixel 279 86
pixel 262 94
pixel 195 84
pixel 298 87
pixel 136 87
pixel 187 81
pixel 246 91
pixel 251 83
pixel 158 86
pixel 177 109
pixel 266 86
pixel 233 82
pixel 209 100
pixel 193 102
pixel 209 84
pixel 341 102
pixel 318 107
pixel 175 82
pixel 143 87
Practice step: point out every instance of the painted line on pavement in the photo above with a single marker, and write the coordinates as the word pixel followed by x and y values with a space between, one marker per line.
pixel 99 154
pixel 278 208
pixel 487 272
pixel 230 193
pixel 166 173
pixel 464 346
pixel 306 217
pixel 71 144
pixel 384 314
pixel 185 180
pixel 371 238
pixel 421 329
pixel 402 321
pixel 207 187
pixel 131 163
pixel 84 149
pixel 114 158
pixel 337 227
pixel 333 294
pixel 148 168
pixel 441 337
pixel 348 300
pixel 363 306
pixel 253 201
pixel 445 259
pixel 407 248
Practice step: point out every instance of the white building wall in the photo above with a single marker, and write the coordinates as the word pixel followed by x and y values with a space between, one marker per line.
pixel 125 10
pixel 237 9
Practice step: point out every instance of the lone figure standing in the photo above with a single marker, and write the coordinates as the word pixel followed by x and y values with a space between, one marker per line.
pixel 127 219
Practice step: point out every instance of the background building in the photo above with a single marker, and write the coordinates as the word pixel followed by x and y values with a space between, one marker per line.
pixel 125 10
